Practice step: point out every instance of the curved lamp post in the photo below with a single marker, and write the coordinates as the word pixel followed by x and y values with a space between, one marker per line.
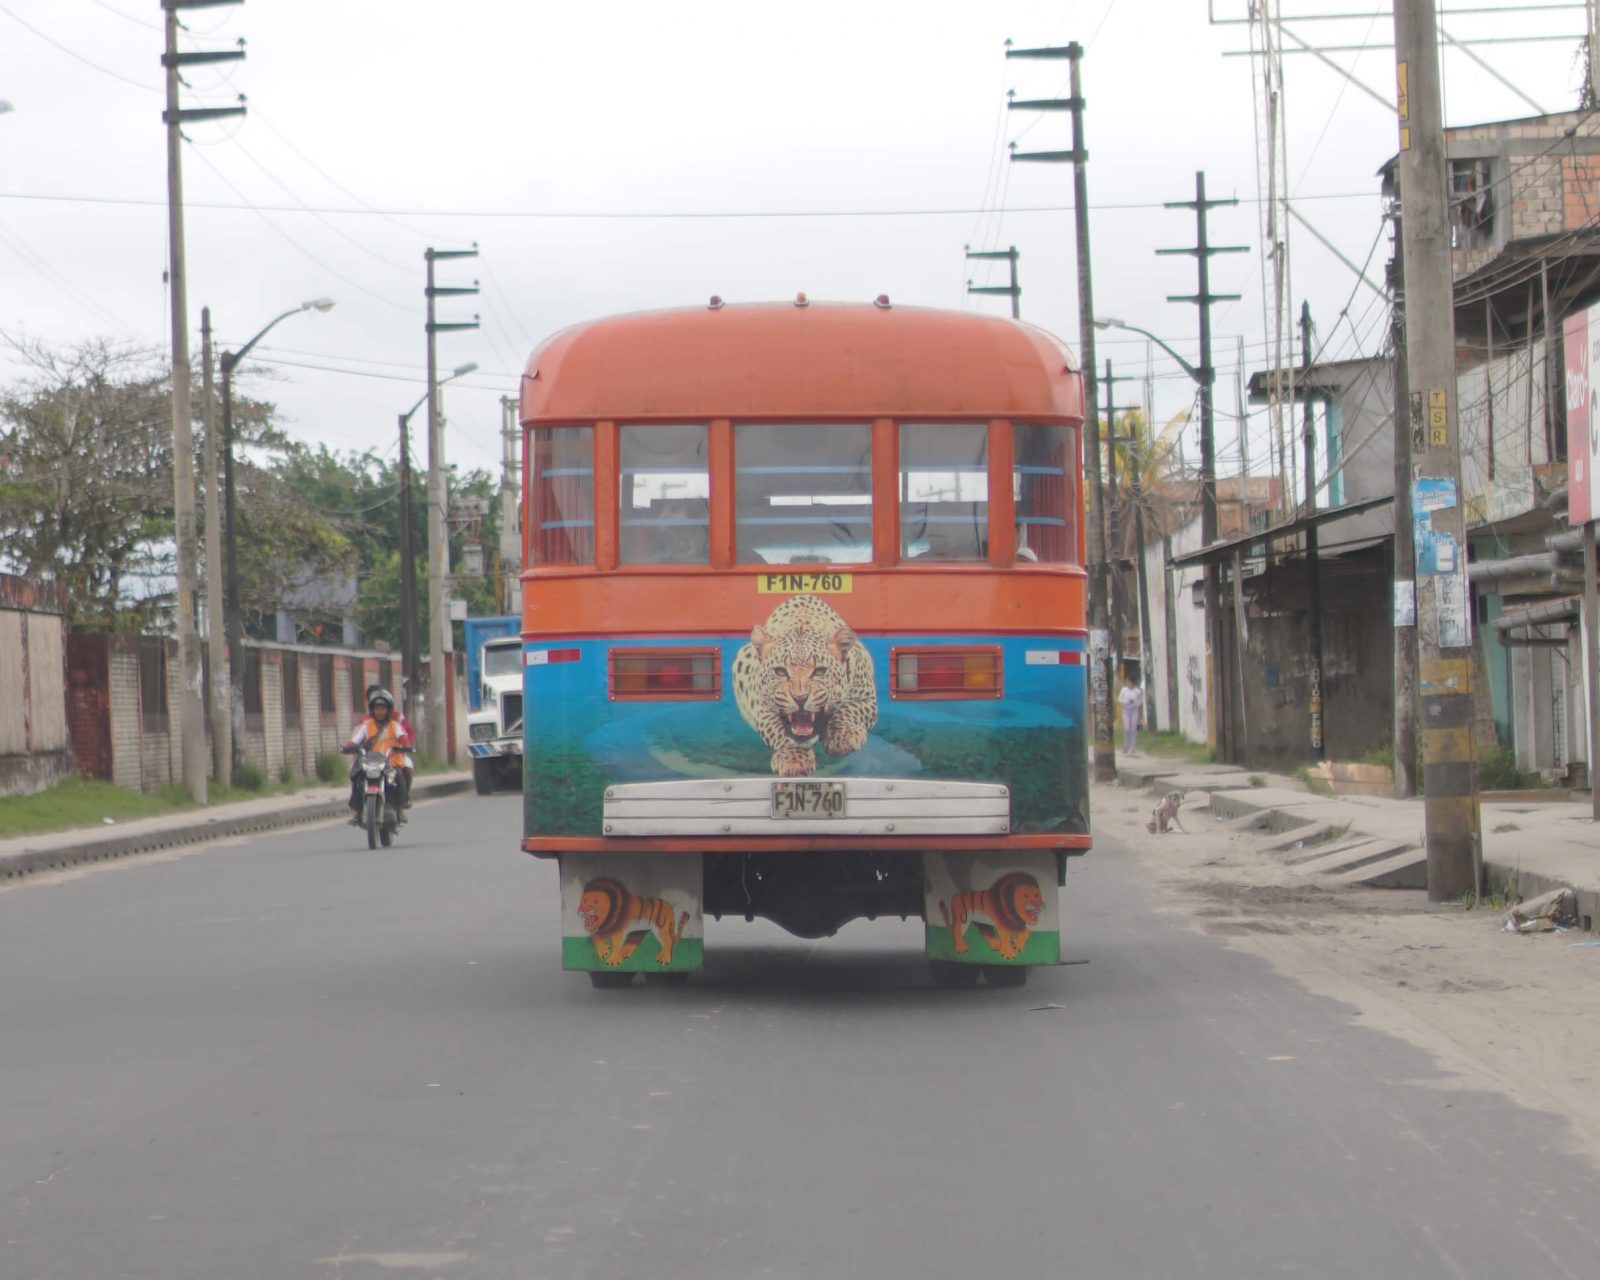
pixel 410 641
pixel 230 360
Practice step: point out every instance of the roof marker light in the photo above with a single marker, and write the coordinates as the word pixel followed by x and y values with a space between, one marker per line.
pixel 715 304
pixel 881 302
pixel 800 300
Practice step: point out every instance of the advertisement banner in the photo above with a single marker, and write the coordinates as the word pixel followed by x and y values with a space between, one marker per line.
pixel 1583 414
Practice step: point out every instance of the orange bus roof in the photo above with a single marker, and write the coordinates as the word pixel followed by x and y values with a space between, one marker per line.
pixel 783 360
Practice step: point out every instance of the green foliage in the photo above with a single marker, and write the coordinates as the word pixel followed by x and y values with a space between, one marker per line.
pixel 285 773
pixel 327 766
pixel 1256 780
pixel 1314 785
pixel 1498 771
pixel 1503 827
pixel 1174 744
pixel 1382 756
pixel 83 802
pixel 249 777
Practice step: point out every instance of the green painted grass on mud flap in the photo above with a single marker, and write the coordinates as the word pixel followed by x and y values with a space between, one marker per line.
pixel 689 954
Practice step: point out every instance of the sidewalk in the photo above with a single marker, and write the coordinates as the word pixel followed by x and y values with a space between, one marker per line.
pixel 56 850
pixel 1530 845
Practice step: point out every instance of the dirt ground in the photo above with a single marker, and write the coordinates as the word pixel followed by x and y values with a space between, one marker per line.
pixel 1517 1014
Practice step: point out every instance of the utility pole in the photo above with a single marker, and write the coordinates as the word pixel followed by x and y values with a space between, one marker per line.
pixel 1116 525
pixel 1313 564
pixel 1136 502
pixel 192 707
pixel 1105 759
pixel 1203 252
pixel 510 506
pixel 434 724
pixel 1013 290
pixel 1444 624
pixel 410 642
pixel 216 648
pixel 1405 571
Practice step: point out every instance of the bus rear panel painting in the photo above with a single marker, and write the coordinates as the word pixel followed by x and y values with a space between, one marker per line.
pixel 803 631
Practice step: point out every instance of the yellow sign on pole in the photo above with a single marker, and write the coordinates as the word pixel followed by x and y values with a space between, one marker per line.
pixel 1438 421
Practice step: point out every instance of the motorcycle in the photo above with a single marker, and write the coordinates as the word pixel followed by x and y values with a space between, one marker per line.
pixel 379 777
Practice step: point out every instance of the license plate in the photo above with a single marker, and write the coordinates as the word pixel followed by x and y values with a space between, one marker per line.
pixel 373 788
pixel 808 799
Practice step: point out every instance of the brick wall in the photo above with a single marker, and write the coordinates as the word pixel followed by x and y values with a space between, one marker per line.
pixel 127 733
pixel 272 709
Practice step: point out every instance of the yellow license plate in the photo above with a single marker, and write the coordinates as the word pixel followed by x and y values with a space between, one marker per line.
pixel 817 584
pixel 808 799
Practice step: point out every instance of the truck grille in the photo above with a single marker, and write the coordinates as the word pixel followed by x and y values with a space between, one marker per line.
pixel 510 713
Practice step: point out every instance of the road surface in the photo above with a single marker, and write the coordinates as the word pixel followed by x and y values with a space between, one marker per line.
pixel 291 1057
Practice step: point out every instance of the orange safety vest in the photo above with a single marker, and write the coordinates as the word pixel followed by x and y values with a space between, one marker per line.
pixel 385 738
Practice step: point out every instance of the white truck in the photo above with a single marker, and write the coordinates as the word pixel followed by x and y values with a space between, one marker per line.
pixel 494 729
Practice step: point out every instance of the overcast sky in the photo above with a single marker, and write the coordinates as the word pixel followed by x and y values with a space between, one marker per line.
pixel 610 156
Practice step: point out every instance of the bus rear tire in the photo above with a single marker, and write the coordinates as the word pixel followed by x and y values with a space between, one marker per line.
pixel 1006 975
pixel 483 777
pixel 668 979
pixel 952 976
pixel 608 978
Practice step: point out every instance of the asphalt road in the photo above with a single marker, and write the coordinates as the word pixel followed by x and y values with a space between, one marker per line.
pixel 291 1057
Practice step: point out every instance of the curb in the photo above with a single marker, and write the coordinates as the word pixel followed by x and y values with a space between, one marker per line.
pixel 105 848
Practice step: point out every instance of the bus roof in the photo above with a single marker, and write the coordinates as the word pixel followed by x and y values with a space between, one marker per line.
pixel 788 360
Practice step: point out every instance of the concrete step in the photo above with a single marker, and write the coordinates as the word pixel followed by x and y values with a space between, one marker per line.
pixel 1278 809
pixel 1349 858
pixel 1406 870
pixel 1307 834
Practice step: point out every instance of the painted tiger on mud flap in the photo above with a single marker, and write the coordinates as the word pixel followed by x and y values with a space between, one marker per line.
pixel 804 679
pixel 610 913
pixel 1012 905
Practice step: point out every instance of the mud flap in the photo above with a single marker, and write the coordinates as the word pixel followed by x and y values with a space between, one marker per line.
pixel 992 908
pixel 631 912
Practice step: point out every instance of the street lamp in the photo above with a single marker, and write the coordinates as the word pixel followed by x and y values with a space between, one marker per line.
pixel 1108 322
pixel 230 360
pixel 409 640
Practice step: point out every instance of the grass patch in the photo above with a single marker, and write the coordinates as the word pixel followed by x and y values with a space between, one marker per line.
pixel 1498 900
pixel 1505 827
pixel 1256 780
pixel 1314 785
pixel 1175 744
pixel 88 802
pixel 1498 771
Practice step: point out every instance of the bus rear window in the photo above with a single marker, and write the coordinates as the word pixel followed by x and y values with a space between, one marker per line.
pixel 803 493
pixel 561 495
pixel 944 491
pixel 664 495
pixel 1041 483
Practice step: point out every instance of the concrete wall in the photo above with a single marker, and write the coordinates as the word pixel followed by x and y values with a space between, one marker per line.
pixel 1173 616
pixel 118 741
pixel 35 749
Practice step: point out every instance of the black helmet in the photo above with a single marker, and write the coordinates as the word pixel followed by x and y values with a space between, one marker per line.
pixel 372 689
pixel 383 696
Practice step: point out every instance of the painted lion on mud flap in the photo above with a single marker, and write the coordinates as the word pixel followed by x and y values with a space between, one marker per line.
pixel 804 679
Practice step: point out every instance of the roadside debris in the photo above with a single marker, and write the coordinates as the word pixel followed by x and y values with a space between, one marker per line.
pixel 1547 913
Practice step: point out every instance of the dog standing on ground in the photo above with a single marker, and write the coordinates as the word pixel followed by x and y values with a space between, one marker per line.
pixel 1165 812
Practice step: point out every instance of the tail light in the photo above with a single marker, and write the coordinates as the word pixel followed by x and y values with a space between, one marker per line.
pixel 646 674
pixel 945 673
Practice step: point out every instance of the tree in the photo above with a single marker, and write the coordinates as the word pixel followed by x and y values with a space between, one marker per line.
pixel 86 478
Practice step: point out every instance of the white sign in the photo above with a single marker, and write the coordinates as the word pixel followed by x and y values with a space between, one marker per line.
pixel 1405 602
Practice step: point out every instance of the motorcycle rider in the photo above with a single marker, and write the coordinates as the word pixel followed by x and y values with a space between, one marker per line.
pixel 408 771
pixel 383 732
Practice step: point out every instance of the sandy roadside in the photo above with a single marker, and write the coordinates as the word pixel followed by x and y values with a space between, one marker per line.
pixel 1519 1015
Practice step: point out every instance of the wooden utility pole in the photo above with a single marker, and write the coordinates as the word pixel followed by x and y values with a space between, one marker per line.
pixel 1313 561
pixel 1591 661
pixel 1012 290
pixel 1444 623
pixel 1223 740
pixel 192 708
pixel 435 723
pixel 216 647
pixel 1100 673
pixel 410 642
pixel 1405 572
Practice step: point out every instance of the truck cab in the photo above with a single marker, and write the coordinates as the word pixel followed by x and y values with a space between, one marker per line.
pixel 494 729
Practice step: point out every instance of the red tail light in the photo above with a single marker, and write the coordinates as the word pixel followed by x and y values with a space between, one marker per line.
pixel 645 674
pixel 945 673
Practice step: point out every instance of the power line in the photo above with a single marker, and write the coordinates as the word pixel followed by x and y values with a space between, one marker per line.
pixel 74 54
pixel 615 215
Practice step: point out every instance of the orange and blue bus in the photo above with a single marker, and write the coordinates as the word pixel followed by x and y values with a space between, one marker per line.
pixel 803 630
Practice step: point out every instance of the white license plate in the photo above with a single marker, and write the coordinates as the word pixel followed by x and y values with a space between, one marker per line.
pixel 808 799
